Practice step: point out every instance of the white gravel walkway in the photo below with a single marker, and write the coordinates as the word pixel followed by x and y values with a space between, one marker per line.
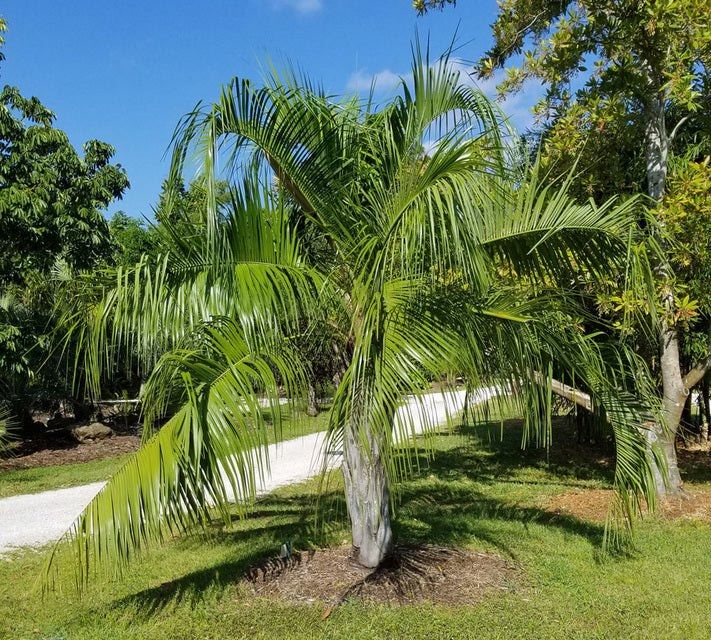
pixel 38 519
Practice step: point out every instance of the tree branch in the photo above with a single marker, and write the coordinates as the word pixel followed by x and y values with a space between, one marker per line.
pixel 675 130
pixel 563 390
pixel 572 394
pixel 702 367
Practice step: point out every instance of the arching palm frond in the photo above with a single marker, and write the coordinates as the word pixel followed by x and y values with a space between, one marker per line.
pixel 210 453
pixel 252 270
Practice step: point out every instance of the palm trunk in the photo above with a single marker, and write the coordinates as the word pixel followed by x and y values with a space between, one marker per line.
pixel 368 499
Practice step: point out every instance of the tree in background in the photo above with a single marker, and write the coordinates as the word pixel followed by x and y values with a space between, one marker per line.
pixel 51 226
pixel 131 240
pixel 642 70
pixel 50 197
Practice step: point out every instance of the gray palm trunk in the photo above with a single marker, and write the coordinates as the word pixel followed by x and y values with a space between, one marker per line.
pixel 367 499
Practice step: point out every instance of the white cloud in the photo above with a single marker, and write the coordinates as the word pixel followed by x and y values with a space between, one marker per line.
pixel 516 107
pixel 384 80
pixel 301 6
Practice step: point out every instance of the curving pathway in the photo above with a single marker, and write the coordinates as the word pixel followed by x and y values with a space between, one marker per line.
pixel 38 519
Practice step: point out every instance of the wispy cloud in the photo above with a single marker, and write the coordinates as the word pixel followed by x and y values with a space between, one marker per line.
pixel 384 80
pixel 516 107
pixel 300 6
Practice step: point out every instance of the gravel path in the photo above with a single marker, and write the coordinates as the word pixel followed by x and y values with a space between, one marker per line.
pixel 37 519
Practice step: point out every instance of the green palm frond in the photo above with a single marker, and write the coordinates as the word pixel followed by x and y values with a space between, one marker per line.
pixel 6 427
pixel 210 453
pixel 252 270
pixel 431 262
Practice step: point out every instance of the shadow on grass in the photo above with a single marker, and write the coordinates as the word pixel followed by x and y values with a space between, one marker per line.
pixel 456 505
pixel 449 501
pixel 567 459
pixel 272 522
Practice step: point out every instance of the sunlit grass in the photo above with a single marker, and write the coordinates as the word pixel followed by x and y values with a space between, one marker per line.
pixel 478 493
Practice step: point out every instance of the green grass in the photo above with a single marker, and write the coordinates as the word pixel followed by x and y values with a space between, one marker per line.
pixel 478 492
pixel 21 481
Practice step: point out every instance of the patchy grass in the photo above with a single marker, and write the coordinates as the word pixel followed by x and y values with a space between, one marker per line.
pixel 19 481
pixel 478 493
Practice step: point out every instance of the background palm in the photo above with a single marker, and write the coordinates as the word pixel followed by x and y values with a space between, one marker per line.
pixel 415 246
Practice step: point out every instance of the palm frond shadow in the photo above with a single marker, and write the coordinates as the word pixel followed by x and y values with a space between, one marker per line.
pixel 453 518
pixel 568 461
pixel 456 512
pixel 446 513
pixel 256 544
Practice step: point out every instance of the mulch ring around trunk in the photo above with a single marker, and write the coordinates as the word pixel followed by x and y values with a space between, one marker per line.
pixel 440 575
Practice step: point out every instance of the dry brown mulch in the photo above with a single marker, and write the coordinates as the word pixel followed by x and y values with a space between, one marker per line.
pixel 593 504
pixel 69 452
pixel 440 575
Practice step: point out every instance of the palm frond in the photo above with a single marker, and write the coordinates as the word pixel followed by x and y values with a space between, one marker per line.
pixel 210 453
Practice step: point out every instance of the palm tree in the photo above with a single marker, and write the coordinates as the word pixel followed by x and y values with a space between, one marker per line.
pixel 414 248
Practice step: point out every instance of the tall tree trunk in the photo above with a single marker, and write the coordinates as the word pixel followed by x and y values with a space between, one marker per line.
pixel 705 410
pixel 368 499
pixel 674 392
pixel 674 397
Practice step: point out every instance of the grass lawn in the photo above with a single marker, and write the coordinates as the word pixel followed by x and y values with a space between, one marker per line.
pixel 478 493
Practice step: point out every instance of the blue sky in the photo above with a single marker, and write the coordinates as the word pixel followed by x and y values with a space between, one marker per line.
pixel 124 72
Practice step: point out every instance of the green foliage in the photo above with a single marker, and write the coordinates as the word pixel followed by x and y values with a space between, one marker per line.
pixel 481 494
pixel 422 6
pixel 6 427
pixel 685 213
pixel 131 240
pixel 222 305
pixel 50 197
pixel 51 227
pixel 35 480
pixel 619 48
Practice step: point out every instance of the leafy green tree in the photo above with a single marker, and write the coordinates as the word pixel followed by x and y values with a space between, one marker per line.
pixel 50 223
pixel 131 239
pixel 646 61
pixel 416 249
pixel 50 197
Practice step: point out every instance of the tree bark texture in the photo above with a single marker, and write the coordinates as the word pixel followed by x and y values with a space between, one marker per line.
pixel 367 498
pixel 312 409
pixel 674 391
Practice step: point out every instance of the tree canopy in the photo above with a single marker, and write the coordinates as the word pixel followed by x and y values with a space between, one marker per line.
pixel 50 197
pixel 622 81
pixel 51 224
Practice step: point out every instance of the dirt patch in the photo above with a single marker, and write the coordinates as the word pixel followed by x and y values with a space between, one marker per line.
pixel 63 450
pixel 440 575
pixel 592 505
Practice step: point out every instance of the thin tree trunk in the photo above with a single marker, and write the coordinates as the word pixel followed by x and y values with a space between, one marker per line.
pixel 367 498
pixel 312 409
pixel 705 411
pixel 675 392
